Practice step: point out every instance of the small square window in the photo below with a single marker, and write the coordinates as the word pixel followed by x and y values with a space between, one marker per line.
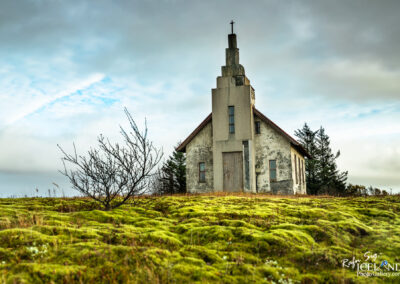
pixel 257 127
pixel 239 80
pixel 202 172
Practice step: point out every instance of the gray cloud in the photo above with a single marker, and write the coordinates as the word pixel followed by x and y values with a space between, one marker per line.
pixel 164 38
pixel 311 60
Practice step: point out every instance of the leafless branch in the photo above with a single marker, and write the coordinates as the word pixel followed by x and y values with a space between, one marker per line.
pixel 113 173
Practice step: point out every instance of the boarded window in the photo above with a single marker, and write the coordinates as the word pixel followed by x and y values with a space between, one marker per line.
pixel 257 126
pixel 295 169
pixel 301 172
pixel 202 172
pixel 298 159
pixel 231 113
pixel 272 170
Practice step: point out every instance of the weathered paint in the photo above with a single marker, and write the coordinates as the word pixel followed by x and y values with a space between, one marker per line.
pixel 271 145
pixel 299 185
pixel 200 150
pixel 268 145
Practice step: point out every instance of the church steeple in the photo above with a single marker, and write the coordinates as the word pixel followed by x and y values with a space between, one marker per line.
pixel 233 122
pixel 232 52
pixel 232 66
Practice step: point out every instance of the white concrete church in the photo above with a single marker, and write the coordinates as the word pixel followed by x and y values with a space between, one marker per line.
pixel 237 148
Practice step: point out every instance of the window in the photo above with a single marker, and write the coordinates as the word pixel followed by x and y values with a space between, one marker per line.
pixel 257 126
pixel 298 159
pixel 257 174
pixel 202 172
pixel 272 170
pixel 295 169
pixel 239 80
pixel 302 173
pixel 231 113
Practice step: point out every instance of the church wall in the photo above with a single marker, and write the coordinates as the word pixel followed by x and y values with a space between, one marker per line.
pixel 200 150
pixel 270 145
pixel 299 184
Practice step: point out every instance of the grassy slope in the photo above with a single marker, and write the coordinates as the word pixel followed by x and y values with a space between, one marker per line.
pixel 228 239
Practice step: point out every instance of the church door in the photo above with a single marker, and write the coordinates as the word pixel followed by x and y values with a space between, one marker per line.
pixel 233 171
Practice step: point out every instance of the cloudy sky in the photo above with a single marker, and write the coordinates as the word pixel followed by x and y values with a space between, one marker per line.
pixel 67 69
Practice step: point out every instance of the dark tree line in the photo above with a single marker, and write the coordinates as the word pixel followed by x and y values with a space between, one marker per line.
pixel 322 173
pixel 171 177
pixel 361 190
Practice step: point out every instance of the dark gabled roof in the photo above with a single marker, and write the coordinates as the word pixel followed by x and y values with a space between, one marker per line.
pixel 182 146
pixel 293 142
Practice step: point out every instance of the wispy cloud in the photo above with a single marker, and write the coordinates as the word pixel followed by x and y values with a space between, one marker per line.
pixel 68 69
pixel 31 107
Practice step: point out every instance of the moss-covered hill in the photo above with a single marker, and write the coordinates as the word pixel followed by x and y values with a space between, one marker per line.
pixel 187 239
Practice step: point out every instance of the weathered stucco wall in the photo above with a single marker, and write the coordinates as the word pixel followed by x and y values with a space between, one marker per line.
pixel 299 184
pixel 270 145
pixel 200 150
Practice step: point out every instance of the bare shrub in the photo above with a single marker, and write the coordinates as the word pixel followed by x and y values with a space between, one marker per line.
pixel 112 173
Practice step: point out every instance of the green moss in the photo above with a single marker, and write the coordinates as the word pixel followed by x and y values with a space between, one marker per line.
pixel 45 273
pixel 377 213
pixel 194 269
pixel 163 238
pixel 193 239
pixel 67 232
pixel 269 273
pixel 21 278
pixel 207 234
pixel 21 237
pixel 115 217
pixel 209 256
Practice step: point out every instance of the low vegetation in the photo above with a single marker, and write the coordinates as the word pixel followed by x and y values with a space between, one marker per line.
pixel 203 238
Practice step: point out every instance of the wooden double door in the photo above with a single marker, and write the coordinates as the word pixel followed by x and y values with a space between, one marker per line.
pixel 233 171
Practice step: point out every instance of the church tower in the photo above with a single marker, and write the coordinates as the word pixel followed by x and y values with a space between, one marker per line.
pixel 233 120
pixel 237 148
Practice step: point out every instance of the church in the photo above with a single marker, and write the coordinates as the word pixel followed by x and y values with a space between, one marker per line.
pixel 237 148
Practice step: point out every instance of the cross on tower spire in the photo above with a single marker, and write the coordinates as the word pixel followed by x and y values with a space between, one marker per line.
pixel 232 22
